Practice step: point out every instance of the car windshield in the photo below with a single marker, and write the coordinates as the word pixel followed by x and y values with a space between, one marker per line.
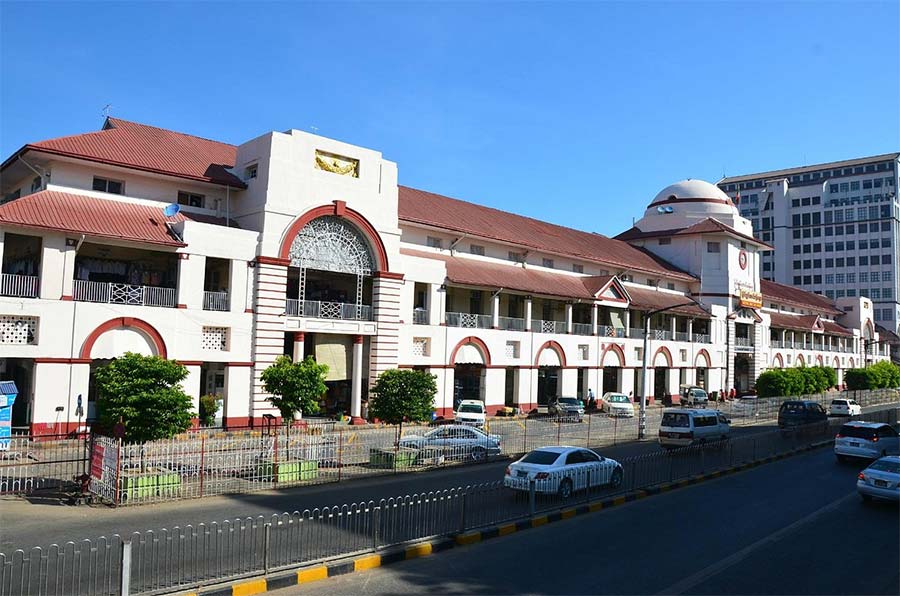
pixel 471 408
pixel 569 401
pixel 857 432
pixel 699 393
pixel 618 398
pixel 794 407
pixel 675 419
pixel 839 402
pixel 543 458
pixel 886 465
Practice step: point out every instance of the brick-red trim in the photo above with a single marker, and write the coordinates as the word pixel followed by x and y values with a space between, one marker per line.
pixel 478 343
pixel 665 352
pixel 619 352
pixel 120 322
pixel 556 347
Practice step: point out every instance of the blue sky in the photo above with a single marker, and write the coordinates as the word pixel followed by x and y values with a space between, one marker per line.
pixel 576 113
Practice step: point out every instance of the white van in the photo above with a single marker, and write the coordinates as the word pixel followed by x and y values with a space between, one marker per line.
pixel 693 396
pixel 682 427
pixel 471 411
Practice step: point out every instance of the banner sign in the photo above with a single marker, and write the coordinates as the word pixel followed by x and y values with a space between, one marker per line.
pixel 750 299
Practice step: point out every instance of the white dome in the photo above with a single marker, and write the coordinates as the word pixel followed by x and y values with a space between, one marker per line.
pixel 690 189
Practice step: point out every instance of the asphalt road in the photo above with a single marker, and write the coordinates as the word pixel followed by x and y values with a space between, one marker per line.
pixel 26 523
pixel 792 527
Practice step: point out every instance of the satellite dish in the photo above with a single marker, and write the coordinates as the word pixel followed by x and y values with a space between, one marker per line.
pixel 172 209
pixel 670 209
pixel 660 209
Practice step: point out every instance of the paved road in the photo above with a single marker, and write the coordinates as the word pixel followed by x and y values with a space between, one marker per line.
pixel 26 523
pixel 791 527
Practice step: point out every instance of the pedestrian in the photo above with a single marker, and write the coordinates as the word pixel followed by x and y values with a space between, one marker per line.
pixel 732 394
pixel 591 403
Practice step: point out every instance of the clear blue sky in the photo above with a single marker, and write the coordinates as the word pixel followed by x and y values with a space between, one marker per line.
pixel 577 113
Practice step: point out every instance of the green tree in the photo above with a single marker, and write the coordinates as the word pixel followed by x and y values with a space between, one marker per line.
pixel 783 382
pixel 295 386
pixel 878 376
pixel 145 393
pixel 209 407
pixel 403 395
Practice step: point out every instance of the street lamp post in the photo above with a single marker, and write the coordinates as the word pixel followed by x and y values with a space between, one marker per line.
pixel 642 420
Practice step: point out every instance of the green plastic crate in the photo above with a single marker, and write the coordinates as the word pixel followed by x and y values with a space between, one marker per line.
pixel 388 458
pixel 290 471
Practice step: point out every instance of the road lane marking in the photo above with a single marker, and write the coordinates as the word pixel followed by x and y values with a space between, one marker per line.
pixel 701 576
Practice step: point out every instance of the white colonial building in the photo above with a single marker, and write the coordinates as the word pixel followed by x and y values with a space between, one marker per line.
pixel 296 244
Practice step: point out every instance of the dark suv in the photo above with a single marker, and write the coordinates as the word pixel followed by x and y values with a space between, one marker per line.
pixel 797 413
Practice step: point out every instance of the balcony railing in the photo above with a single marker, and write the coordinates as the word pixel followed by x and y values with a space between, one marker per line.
pixel 540 326
pixel 744 342
pixel 776 343
pixel 115 293
pixel 682 336
pixel 215 300
pixel 611 331
pixel 420 316
pixel 468 320
pixel 315 309
pixel 701 338
pixel 512 324
pixel 581 328
pixel 659 334
pixel 18 286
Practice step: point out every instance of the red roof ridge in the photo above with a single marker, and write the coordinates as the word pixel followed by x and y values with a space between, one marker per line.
pixel 112 120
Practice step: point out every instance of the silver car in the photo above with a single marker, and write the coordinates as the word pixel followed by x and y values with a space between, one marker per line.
pixel 455 441
pixel 881 480
pixel 869 440
pixel 567 407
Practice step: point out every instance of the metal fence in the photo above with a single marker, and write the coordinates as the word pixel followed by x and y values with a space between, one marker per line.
pixel 33 463
pixel 182 558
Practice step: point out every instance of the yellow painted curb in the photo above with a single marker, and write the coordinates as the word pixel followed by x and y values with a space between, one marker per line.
pixel 594 507
pixel 538 521
pixel 567 513
pixel 618 501
pixel 370 562
pixel 418 550
pixel 665 488
pixel 257 586
pixel 312 575
pixel 470 538
pixel 640 494
pixel 506 529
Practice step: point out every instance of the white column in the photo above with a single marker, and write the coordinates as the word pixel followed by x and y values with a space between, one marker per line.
pixel 627 322
pixel 437 300
pixel 356 395
pixel 495 311
pixel 569 308
pixel 528 313
pixel 191 386
pixel 690 329
pixel 54 253
pixel 237 286
pixel 299 348
pixel 595 317
pixel 191 274
pixel 673 327
pixel 238 395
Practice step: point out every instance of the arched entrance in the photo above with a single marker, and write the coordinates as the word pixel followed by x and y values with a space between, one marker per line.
pixel 550 360
pixel 702 365
pixel 742 378
pixel 662 366
pixel 469 358
pixel 612 360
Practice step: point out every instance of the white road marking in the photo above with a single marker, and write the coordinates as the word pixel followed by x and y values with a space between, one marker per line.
pixel 704 574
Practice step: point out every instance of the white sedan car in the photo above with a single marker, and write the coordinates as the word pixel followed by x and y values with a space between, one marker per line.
pixel 881 480
pixel 455 441
pixel 617 404
pixel 562 471
pixel 845 407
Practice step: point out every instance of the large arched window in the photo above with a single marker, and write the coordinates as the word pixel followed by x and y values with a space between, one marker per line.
pixel 332 244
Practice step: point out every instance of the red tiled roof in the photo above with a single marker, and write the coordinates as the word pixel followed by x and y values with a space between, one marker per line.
pixel 782 293
pixel 474 272
pixel 835 329
pixel 418 206
pixel 133 145
pixel 798 322
pixel 706 226
pixel 77 214
pixel 595 283
pixel 649 299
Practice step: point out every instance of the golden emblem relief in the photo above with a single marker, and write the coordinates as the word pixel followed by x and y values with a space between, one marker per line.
pixel 337 164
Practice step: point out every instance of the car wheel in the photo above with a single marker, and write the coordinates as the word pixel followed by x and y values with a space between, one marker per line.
pixel 565 488
pixel 615 481
pixel 479 454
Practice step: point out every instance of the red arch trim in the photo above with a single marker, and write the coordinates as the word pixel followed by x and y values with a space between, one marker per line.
pixel 614 348
pixel 339 209
pixel 478 343
pixel 667 354
pixel 705 354
pixel 120 322
pixel 837 363
pixel 800 360
pixel 556 347
pixel 779 360
pixel 819 360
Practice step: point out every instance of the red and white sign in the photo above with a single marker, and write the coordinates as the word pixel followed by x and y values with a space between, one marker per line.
pixel 742 259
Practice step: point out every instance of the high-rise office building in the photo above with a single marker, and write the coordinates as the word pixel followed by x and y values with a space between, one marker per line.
pixel 834 227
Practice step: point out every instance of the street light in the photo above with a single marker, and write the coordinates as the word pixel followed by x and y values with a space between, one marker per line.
pixel 642 424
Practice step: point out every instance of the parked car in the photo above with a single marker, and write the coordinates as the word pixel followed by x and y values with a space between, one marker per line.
pixel 747 405
pixel 693 396
pixel 455 441
pixel 881 480
pixel 569 407
pixel 471 411
pixel 680 428
pixel 867 440
pixel 562 471
pixel 845 407
pixel 799 413
pixel 616 404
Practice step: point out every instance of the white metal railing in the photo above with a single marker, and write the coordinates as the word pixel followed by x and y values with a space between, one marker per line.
pixel 316 309
pixel 744 342
pixel 581 328
pixel 611 331
pixel 215 300
pixel 512 324
pixel 682 336
pixel 660 334
pixel 540 326
pixel 18 286
pixel 469 320
pixel 420 316
pixel 636 333
pixel 115 293
pixel 701 338
pixel 776 343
